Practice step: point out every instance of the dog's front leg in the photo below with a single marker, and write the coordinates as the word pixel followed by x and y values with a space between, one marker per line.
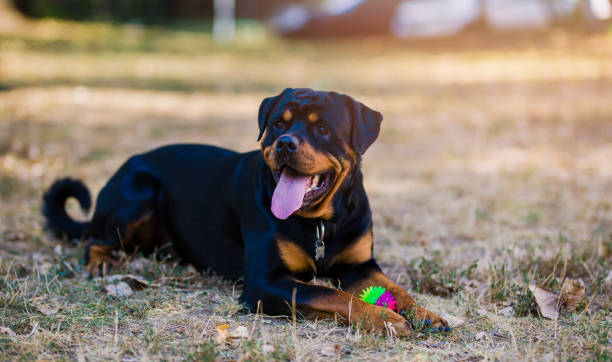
pixel 276 297
pixel 354 278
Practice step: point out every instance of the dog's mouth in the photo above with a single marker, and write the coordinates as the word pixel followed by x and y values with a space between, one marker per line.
pixel 295 191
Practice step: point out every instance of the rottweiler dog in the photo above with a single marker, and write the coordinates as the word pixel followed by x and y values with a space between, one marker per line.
pixel 276 217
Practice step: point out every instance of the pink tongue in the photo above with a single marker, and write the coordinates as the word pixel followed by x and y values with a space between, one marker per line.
pixel 289 193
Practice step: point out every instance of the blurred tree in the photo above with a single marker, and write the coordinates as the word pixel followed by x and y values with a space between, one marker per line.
pixel 146 11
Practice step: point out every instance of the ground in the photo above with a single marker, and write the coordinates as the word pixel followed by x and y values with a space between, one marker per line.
pixel 493 172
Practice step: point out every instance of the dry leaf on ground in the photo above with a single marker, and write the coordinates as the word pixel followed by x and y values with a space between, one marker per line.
pixel 548 302
pixel 136 282
pixel 47 306
pixel 569 300
pixel 124 285
pixel 572 295
pixel 121 289
pixel 225 335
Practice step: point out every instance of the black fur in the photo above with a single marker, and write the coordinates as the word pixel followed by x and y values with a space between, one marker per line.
pixel 214 204
pixel 54 202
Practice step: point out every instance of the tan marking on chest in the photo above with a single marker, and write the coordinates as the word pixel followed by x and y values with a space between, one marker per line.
pixel 358 252
pixel 294 257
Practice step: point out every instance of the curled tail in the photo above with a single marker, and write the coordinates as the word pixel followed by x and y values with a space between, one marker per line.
pixel 54 208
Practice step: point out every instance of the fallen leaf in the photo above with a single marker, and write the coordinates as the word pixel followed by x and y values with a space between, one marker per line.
pixel 46 305
pixel 453 321
pixel 221 333
pixel 124 285
pixel 225 335
pixel 121 289
pixel 136 282
pixel 548 302
pixel 569 300
pixel 572 295
pixel 239 332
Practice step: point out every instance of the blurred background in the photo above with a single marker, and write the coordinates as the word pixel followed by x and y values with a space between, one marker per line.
pixel 333 18
pixel 496 144
pixel 497 113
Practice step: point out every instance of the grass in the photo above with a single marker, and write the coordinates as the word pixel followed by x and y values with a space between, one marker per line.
pixel 491 173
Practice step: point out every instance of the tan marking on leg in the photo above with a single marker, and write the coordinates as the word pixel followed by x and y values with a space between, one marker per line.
pixel 295 258
pixel 358 252
pixel 404 300
pixel 369 317
pixel 379 279
pixel 100 256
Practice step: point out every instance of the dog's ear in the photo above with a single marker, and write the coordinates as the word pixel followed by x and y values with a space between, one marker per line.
pixel 264 111
pixel 365 122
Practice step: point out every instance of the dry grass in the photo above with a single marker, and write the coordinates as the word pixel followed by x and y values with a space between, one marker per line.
pixel 495 157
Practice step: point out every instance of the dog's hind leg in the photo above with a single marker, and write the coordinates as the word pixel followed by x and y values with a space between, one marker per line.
pixel 127 233
pixel 125 219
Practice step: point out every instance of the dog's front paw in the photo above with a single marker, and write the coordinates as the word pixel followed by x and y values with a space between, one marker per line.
pixel 386 321
pixel 422 319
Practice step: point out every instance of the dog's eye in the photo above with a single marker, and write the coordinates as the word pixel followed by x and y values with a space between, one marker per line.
pixel 324 130
pixel 279 125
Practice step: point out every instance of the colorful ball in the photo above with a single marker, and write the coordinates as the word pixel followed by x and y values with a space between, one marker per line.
pixel 378 296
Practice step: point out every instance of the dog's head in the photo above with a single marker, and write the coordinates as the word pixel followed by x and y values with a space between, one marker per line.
pixel 312 142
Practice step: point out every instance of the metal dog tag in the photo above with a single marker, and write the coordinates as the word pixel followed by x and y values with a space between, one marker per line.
pixel 319 250
pixel 319 243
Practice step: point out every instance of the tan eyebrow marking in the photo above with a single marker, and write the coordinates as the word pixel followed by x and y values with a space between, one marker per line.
pixel 287 115
pixel 313 117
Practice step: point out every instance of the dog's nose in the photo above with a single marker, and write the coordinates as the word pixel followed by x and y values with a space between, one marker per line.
pixel 286 144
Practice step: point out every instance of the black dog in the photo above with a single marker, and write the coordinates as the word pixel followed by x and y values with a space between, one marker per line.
pixel 277 217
